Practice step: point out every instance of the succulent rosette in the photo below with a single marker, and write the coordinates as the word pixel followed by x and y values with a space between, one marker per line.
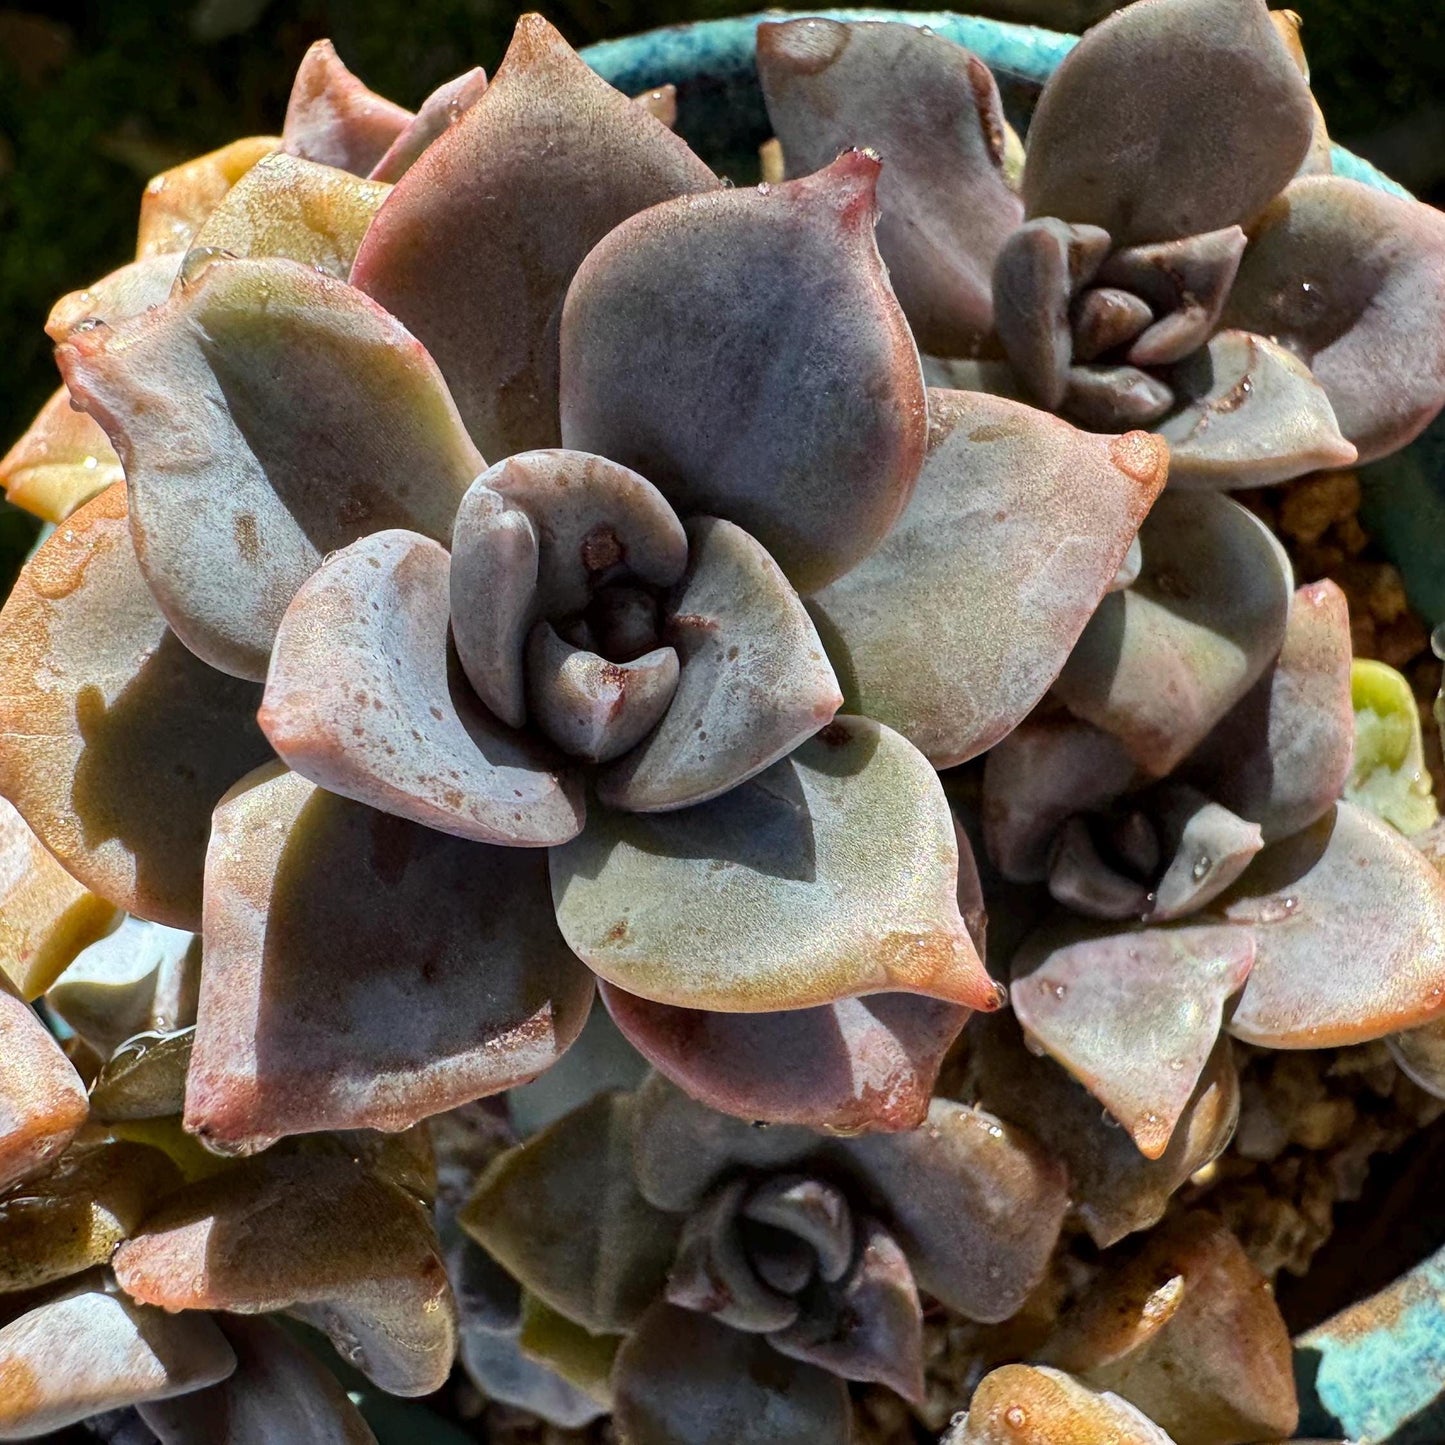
pixel 590 659
pixel 497 562
pixel 737 1277
pixel 1178 253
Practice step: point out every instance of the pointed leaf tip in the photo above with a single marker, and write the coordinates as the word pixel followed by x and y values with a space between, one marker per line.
pixel 742 349
pixel 334 119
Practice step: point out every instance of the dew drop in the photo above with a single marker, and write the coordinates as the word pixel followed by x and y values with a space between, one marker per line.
pixel 1202 864
pixel 1110 1122
pixel 1016 1417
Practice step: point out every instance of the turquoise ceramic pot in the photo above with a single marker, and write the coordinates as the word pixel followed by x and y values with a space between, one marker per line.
pixel 1377 1372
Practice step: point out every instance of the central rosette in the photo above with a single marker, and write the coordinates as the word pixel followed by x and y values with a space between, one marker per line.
pixel 578 603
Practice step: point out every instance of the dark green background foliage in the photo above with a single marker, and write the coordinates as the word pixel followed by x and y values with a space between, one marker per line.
pixel 95 98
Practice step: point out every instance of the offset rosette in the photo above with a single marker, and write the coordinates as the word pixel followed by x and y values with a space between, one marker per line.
pixel 1170 249
pixel 724 1273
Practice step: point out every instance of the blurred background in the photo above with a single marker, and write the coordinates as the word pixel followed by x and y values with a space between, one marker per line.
pixel 97 97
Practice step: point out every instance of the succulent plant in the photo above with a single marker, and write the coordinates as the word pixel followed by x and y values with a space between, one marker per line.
pixel 744 1273
pixel 496 562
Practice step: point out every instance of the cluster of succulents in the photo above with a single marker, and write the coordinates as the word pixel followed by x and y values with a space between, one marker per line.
pixel 497 563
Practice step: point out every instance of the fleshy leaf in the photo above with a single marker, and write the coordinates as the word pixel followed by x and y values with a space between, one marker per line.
pixel 116 298
pixel 1251 414
pixel 1352 280
pixel 234 498
pixel 139 976
pixel 476 247
pixel 975 1203
pixel 743 351
pixel 1162 662
pixel 499 1366
pixel 1169 120
pixel 1040 269
pixel 563 1214
pixel 1046 771
pixel 42 1100
pixel 755 680
pixel 334 119
pixel 931 109
pixel 597 523
pixel 46 917
pixel 145 1078
pixel 90 1352
pixel 1132 1015
pixel 1114 398
pixel 63 460
pixel 812 1211
pixel 1105 318
pixel 1281 755
pixel 593 708
pixel 1185 283
pixel 1188 1332
pixel 364 699
pixel 682 1379
pixel 365 972
pixel 115 741
pixel 73 1217
pixel 714 1275
pixel 1036 1405
pixel 861 1063
pixel 176 203
pixel 292 208
pixel 955 627
pixel 493 583
pixel 1085 882
pixel 1351 889
pixel 830 875
pixel 1208 848
pixel 1388 774
pixel 576 1356
pixel 864 1063
pixel 315 1234
pixel 1115 1190
pixel 443 108
pixel 869 1327
pixel 279 1391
